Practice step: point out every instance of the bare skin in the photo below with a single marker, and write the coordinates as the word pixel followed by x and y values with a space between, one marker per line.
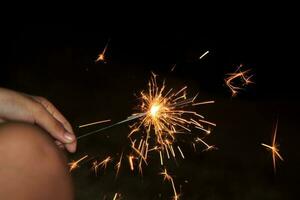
pixel 31 165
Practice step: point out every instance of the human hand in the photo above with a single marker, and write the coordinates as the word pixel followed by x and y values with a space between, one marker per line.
pixel 15 106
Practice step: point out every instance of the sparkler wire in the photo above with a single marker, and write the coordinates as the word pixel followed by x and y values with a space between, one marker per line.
pixel 113 125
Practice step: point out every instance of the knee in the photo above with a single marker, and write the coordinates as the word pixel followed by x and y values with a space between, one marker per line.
pixel 30 157
pixel 24 141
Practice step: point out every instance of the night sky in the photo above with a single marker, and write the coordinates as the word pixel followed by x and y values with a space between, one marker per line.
pixel 57 61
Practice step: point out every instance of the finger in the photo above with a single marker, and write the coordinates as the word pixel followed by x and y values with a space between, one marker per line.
pixel 59 144
pixel 58 116
pixel 44 119
pixel 54 112
pixel 69 147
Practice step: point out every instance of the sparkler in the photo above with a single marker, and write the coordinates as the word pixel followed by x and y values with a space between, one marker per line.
pixel 111 126
pixel 162 116
pixel 243 76
pixel 101 56
pixel 94 123
pixel 274 148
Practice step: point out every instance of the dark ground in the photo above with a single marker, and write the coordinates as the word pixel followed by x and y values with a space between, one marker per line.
pixel 57 61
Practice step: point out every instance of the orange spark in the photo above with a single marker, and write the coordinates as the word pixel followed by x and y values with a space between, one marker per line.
pixel 274 148
pixel 181 153
pixel 170 179
pixel 243 77
pixel 208 147
pixel 101 56
pixel 118 165
pixel 102 164
pixel 75 164
pixel 130 160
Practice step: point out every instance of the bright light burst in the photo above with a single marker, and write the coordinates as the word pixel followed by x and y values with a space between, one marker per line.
pixel 164 116
pixel 243 77
pixel 274 148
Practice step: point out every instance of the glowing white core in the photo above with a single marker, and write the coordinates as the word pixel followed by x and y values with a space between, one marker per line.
pixel 154 109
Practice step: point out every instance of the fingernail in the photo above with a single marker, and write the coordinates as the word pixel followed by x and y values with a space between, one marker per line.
pixel 69 137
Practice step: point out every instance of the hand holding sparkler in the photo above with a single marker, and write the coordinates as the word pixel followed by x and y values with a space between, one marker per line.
pixel 15 106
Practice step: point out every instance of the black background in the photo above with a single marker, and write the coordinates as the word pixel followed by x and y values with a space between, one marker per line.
pixel 57 61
